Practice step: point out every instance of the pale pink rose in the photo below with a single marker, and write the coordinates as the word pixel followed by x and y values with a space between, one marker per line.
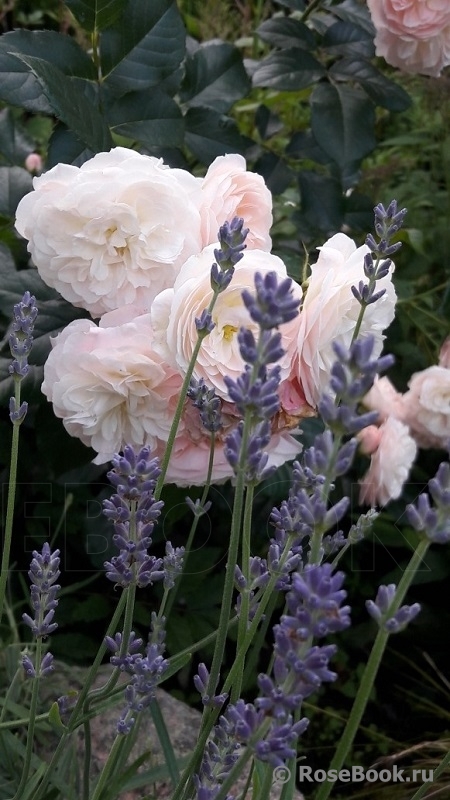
pixel 174 311
pixel 390 464
pixel 369 439
pixel 444 355
pixel 112 232
pixel 427 406
pixel 384 398
pixel 413 35
pixel 229 190
pixel 33 162
pixel 188 465
pixel 109 387
pixel 330 312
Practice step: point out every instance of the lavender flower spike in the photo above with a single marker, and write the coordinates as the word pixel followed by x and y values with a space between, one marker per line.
pixel 134 512
pixel 274 303
pixel 379 610
pixel 21 336
pixel 44 572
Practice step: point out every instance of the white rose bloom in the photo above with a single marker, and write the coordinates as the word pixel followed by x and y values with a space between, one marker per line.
pixel 174 311
pixel 112 232
pixel 109 387
pixel 330 312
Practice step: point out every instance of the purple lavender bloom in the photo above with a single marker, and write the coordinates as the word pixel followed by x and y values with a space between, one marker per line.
pixel 314 606
pixel 197 508
pixel 201 681
pixel 47 666
pixel 204 323
pixel 274 746
pixel 221 753
pixel 259 395
pixel 209 405
pixel 232 237
pixel 134 512
pixel 172 564
pixel 315 602
pixel 433 520
pixel 146 672
pixel 352 376
pixel 273 304
pixel 255 457
pixel 379 610
pixel 43 573
pixel 21 336
pixel 126 660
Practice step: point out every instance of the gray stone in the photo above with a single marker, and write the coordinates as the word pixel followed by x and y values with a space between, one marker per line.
pixel 182 722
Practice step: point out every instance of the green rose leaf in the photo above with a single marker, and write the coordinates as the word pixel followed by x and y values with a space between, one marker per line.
pixel 15 144
pixel 347 38
pixel 288 70
pixel 151 117
pixel 353 11
pixel 295 5
pixel 210 134
pixel 15 182
pixel 215 77
pixel 18 85
pixel 96 14
pixel 322 202
pixel 285 32
pixel 342 122
pixel 70 103
pixel 64 147
pixel 380 89
pixel 146 44
pixel 54 312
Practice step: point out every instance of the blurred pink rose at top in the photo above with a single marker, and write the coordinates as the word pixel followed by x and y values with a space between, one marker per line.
pixel 413 35
pixel 390 463
pixel 34 163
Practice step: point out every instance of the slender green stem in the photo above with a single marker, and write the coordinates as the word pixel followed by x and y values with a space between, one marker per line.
pixel 18 723
pixel 245 595
pixel 74 718
pixel 423 790
pixel 87 758
pixel 179 409
pixel 371 670
pixel 108 767
pixel 4 569
pixel 309 9
pixel 11 689
pixel 32 722
pixel 167 606
pixel 236 669
pixel 166 744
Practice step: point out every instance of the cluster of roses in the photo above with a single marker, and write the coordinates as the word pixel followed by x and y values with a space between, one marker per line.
pixel 419 417
pixel 132 241
pixel 413 35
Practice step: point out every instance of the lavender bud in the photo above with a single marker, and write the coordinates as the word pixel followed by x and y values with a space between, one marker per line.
pixel 274 303
pixel 44 571
pixel 21 336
